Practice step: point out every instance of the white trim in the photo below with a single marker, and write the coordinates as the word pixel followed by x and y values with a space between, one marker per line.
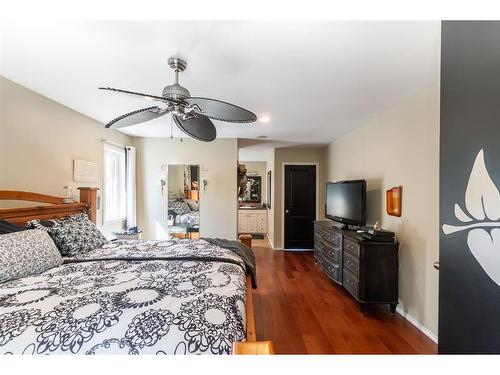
pixel 112 143
pixel 417 324
pixel 316 164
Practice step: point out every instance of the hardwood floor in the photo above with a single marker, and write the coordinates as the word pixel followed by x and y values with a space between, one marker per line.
pixel 303 312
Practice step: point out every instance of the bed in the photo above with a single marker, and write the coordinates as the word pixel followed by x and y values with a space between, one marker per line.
pixel 129 297
pixel 184 211
pixel 191 219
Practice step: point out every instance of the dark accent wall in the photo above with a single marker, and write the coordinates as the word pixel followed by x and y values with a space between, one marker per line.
pixel 469 299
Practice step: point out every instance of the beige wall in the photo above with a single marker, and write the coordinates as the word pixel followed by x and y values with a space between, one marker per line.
pixel 401 147
pixel 290 155
pixel 258 167
pixel 40 138
pixel 218 165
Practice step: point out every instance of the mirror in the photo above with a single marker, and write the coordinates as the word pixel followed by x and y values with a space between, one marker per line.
pixel 253 189
pixel 183 218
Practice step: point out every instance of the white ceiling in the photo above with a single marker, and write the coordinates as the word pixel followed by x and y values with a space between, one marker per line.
pixel 317 80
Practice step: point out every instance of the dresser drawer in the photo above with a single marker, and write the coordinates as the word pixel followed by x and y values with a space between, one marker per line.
pixel 334 239
pixel 351 283
pixel 351 264
pixel 332 270
pixel 332 254
pixel 351 246
pixel 318 243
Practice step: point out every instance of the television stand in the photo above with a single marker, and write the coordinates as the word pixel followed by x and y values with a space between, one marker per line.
pixel 366 268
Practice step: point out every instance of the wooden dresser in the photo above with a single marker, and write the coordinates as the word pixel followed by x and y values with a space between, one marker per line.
pixel 367 269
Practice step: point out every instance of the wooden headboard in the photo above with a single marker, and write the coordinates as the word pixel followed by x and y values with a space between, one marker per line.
pixel 55 209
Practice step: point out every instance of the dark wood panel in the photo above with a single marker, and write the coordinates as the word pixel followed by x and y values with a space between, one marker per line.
pixel 469 284
pixel 303 312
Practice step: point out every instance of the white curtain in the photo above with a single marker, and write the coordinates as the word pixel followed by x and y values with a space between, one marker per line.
pixel 130 153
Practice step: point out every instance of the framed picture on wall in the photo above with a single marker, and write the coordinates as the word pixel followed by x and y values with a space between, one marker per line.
pixel 269 189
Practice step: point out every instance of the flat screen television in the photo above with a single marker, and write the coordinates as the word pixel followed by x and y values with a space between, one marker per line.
pixel 346 202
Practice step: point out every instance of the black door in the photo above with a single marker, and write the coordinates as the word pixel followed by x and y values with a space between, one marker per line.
pixel 469 256
pixel 300 206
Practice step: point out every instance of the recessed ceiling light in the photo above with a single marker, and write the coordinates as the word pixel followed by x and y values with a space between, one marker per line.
pixel 265 118
pixel 262 136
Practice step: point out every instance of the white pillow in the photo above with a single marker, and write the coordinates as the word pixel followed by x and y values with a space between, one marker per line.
pixel 193 205
pixel 27 253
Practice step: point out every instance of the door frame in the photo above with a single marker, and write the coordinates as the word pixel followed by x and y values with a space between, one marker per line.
pixel 282 214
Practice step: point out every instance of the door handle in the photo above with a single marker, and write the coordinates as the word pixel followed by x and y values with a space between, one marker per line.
pixel 436 265
pixel 287 211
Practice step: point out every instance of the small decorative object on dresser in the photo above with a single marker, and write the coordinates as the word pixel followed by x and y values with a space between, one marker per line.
pixel 366 266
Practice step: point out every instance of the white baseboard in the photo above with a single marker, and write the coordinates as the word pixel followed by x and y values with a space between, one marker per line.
pixel 417 324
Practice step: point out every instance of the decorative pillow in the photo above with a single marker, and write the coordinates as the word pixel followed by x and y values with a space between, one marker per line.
pixel 180 207
pixel 45 225
pixel 76 235
pixel 193 205
pixel 27 253
pixel 6 227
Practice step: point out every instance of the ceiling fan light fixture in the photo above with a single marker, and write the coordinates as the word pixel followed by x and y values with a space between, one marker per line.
pixel 265 118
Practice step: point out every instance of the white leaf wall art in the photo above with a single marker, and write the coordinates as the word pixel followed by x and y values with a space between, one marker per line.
pixel 482 200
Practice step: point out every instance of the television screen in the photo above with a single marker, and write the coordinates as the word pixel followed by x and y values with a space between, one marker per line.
pixel 346 202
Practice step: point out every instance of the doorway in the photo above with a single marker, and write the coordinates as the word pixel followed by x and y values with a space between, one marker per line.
pixel 299 206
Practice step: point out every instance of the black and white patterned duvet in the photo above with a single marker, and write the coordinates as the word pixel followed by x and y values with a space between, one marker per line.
pixel 134 302
pixel 191 219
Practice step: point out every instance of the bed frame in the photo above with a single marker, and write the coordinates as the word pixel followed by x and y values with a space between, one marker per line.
pixel 55 208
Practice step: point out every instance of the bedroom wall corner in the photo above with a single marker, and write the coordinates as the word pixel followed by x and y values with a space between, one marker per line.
pixel 40 138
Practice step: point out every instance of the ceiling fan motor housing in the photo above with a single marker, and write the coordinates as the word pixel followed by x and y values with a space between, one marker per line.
pixel 175 92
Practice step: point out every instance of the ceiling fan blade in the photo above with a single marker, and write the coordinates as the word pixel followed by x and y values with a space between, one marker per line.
pixel 198 127
pixel 136 117
pixel 144 96
pixel 219 110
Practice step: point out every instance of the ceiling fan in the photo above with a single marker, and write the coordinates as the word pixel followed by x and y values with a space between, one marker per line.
pixel 191 114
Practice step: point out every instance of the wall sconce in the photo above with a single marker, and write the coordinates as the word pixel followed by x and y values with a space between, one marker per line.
pixel 204 184
pixel 162 183
pixel 393 201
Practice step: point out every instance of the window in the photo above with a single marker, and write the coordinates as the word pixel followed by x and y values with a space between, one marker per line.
pixel 115 197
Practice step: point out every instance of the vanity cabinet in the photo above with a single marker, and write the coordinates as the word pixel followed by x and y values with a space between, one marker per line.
pixel 252 221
